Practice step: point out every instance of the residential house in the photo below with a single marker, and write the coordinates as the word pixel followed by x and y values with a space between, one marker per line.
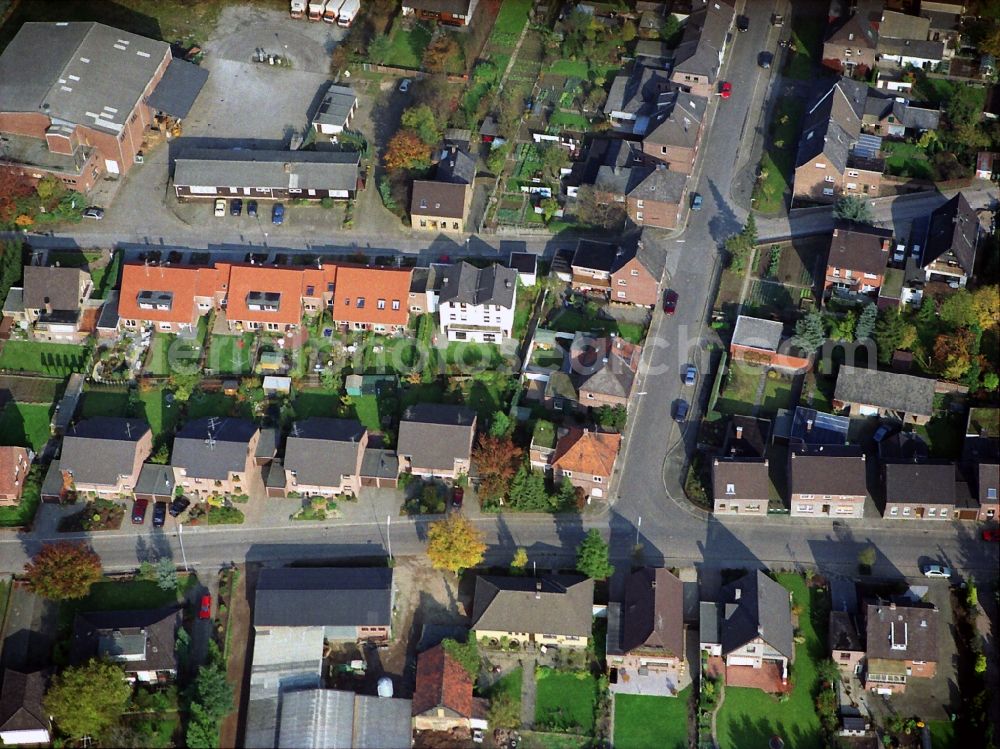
pixel 833 159
pixel 76 100
pixel 868 392
pixel 949 251
pixel 298 717
pixel 827 481
pixel 759 343
pixel 847 646
pixel 646 634
pixel 323 457
pixel 850 46
pixel 606 168
pixel 655 197
pixel 435 440
pixel 653 53
pixel 552 610
pixel 456 165
pixel 901 643
pixel 211 173
pixel 591 265
pixel 444 12
pixel 987 483
pixel 526 265
pixel 636 273
pixel 104 454
pixel 674 133
pixel 259 298
pixel 920 491
pixel 698 57
pixel 371 299
pixel 856 261
pixel 346 604
pixel 474 304
pixel 945 23
pixel 896 117
pixel 440 206
pixel 53 300
pixel 634 98
pixel 587 460
pixel 603 370
pixel 23 718
pixel 740 486
pixel 141 642
pixel 339 105
pixel 917 53
pixel 15 464
pixel 170 298
pixel 897 25
pixel 750 627
pixel 155 483
pixel 215 456
pixel 746 437
pixel 442 699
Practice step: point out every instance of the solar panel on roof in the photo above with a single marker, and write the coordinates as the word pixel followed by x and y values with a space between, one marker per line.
pixel 868 146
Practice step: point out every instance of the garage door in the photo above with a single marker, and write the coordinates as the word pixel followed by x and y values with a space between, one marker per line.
pixel 740 660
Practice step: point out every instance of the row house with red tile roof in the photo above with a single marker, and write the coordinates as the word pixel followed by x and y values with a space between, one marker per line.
pixel 253 297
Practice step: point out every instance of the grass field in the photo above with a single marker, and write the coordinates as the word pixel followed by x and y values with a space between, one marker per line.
pixel 642 721
pixel 511 19
pixel 231 354
pixel 406 48
pixel 203 404
pixel 571 321
pixel 942 734
pixel 566 700
pixel 570 121
pixel 750 717
pixel 776 180
pixel 25 425
pixel 53 359
pixel 315 402
pixel 130 594
pixel 807 40
pixel 907 160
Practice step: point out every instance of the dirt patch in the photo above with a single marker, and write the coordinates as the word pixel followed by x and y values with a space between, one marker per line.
pixel 240 652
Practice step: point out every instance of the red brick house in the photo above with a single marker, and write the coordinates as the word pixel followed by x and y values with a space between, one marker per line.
pixel 587 460
pixel 850 47
pixel 902 643
pixel 857 260
pixel 15 462
pixel 442 700
pixel 759 342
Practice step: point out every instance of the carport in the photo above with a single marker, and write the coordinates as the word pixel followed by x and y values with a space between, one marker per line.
pixel 177 91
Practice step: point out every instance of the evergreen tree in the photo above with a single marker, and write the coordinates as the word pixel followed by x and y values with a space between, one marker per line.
pixel 866 323
pixel 809 332
pixel 592 556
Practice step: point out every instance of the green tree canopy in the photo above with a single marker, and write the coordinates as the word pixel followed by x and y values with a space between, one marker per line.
pixel 866 323
pixel 592 556
pixel 85 700
pixel 422 120
pixel 854 208
pixel 809 332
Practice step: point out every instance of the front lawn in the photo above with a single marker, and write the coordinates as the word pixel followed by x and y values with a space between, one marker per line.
pixel 565 701
pixel 54 359
pixel 406 48
pixel 750 717
pixel 570 321
pixel 26 425
pixel 113 595
pixel 643 721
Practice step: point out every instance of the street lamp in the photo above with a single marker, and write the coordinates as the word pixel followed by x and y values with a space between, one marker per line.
pixel 388 538
pixel 180 538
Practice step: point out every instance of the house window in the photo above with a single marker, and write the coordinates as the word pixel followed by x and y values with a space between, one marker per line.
pixel 805 508
pixel 848 272
pixel 622 294
pixel 423 222
pixel 731 489
pixel 622 282
pixel 380 304
pixel 639 203
pixel 931 512
pixel 454 225
pixel 638 216
pixel 590 396
pixel 836 272
pixel 852 173
pixel 820 165
pixel 805 496
pixel 754 507
pixel 829 178
pixel 663 149
pixel 894 511
pixel 906 510
pixel 361 302
pixel 828 191
pixel 634 272
pixel 851 185
pixel 598 479
pixel 568 474
pixel 395 304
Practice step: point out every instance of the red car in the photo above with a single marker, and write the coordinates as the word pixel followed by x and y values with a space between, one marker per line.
pixel 993 534
pixel 725 89
pixel 205 612
pixel 457 495
pixel 670 301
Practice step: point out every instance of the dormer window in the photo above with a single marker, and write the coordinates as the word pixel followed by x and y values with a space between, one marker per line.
pixel 731 489
pixel 263 301
pixel 156 300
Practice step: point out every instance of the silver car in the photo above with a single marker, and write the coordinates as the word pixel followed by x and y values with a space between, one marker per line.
pixel 935 570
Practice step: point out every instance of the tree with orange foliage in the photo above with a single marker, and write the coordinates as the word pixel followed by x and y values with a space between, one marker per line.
pixel 407 151
pixel 497 459
pixel 953 353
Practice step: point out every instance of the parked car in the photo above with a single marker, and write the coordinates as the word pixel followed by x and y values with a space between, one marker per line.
pixel 236 207
pixel 764 59
pixel 690 374
pixel 139 511
pixel 743 23
pixel 178 506
pixel 252 208
pixel 669 301
pixel 205 609
pixel 696 201
pixel 991 534
pixel 883 432
pixel 457 495
pixel 725 89
pixel 220 207
pixel 404 85
pixel 680 410
pixel 94 212
pixel 159 514
pixel 278 214
pixel 935 570
pixel 777 19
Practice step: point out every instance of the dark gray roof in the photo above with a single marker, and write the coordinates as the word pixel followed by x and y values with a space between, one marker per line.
pixel 463 283
pixel 708 622
pixel 320 451
pixel 951 235
pixel 921 118
pixel 860 248
pixel 456 165
pixel 108 319
pixel 377 463
pixel 434 435
pixel 595 255
pixel 59 287
pixel 854 31
pixel 604 365
pixel 833 123
pixel 637 92
pixel 943 20
pixel 338 101
pixel 888 390
pixel 748 478
pixel 650 254
pixel 155 479
pixel 988 483
pixel 21 701
pixel 920 483
pixel 149 633
pixel 653 612
pixel 912 629
pixel 705 32
pixel 756 605
pixel 678 123
pixel 303 170
pixel 828 470
pixel 919 48
pixel 323 597
pixel 99 450
pixel 757 333
pixel 81 73
pixel 895 25
pixel 213 447
pixel 418 280
pixel 176 92
pixel 433 198
pixel 843 634
pixel 267 445
pixel 655 51
pixel 524 262
pixel 562 605
pixel 662 185
pixel 747 437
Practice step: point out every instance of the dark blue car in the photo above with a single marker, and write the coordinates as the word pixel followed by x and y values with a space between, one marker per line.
pixel 278 214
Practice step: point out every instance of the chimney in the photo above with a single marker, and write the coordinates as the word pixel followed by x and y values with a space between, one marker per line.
pixel 288 168
pixel 739 432
pixel 809 425
pixel 892 606
pixel 738 594
pixel 538 590
pixel 850 37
